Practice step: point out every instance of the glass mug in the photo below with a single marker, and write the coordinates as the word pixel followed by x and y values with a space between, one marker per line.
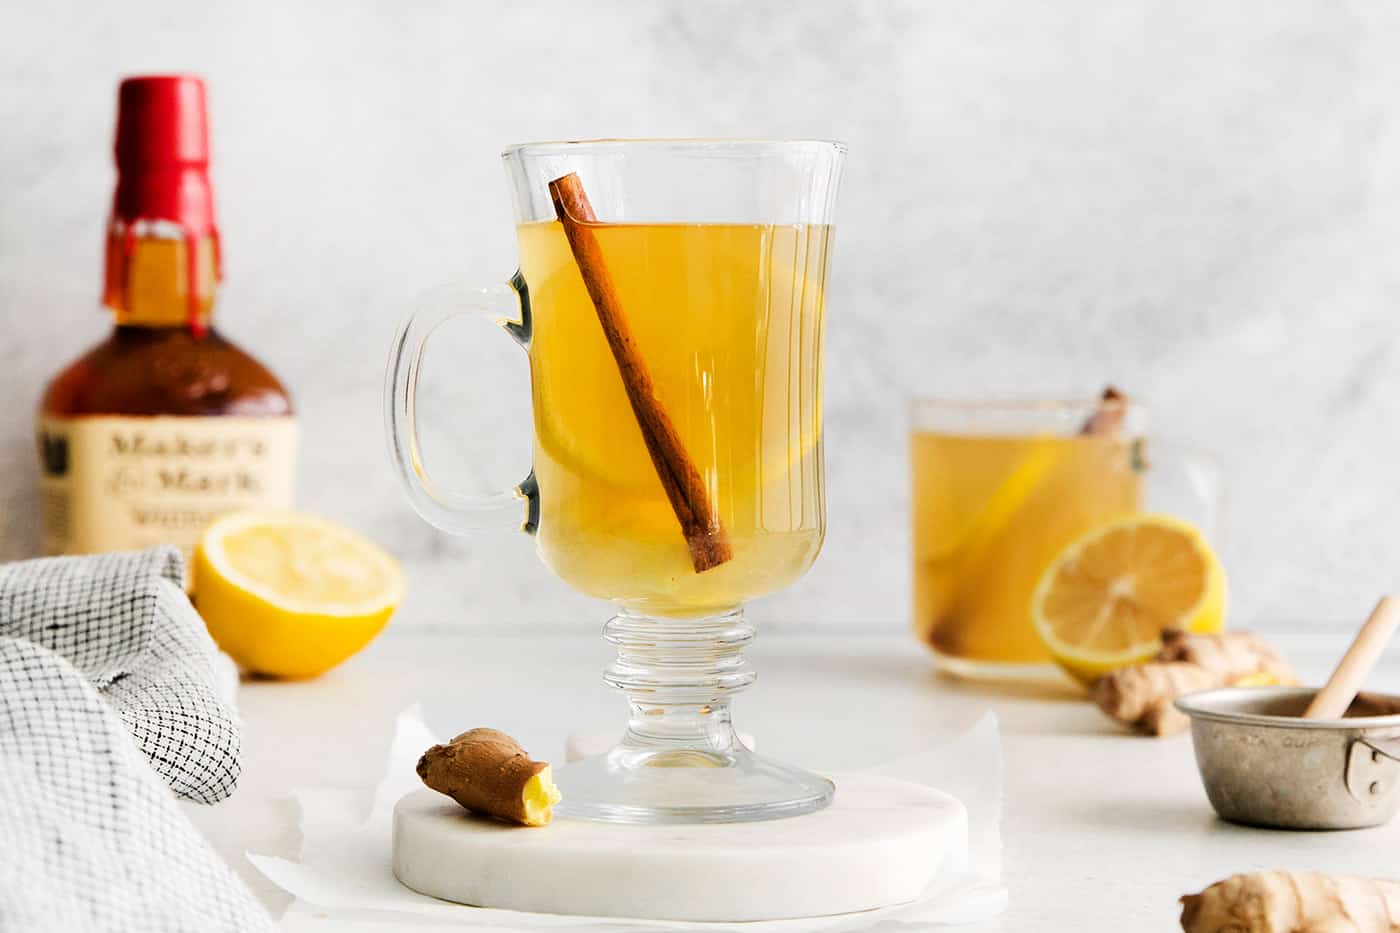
pixel 670 297
pixel 1000 488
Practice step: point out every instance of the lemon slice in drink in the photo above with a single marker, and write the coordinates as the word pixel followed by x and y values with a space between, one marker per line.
pixel 1104 601
pixel 291 595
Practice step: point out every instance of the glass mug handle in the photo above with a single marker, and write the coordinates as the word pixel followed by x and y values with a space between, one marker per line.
pixel 453 512
pixel 1184 482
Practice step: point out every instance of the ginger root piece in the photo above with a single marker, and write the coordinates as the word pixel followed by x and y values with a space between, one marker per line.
pixel 1293 902
pixel 488 772
pixel 1142 695
pixel 1236 654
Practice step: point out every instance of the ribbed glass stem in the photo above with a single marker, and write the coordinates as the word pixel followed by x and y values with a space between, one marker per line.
pixel 677 675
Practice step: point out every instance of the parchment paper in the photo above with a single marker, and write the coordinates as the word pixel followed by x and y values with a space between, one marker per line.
pixel 345 858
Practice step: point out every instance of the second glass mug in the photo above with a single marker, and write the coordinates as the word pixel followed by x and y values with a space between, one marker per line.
pixel 670 297
pixel 1001 487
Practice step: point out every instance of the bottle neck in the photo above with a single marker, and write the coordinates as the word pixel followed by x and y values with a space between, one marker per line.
pixel 159 277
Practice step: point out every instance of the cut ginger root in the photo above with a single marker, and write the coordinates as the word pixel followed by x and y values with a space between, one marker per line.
pixel 488 772
pixel 1294 902
pixel 1142 695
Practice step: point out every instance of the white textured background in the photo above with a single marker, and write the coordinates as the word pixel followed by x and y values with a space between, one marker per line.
pixel 1200 202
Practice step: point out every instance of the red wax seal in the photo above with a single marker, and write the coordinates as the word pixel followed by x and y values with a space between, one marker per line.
pixel 162 154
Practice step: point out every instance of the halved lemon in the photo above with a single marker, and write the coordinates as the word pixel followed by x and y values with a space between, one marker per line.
pixel 1104 601
pixel 291 595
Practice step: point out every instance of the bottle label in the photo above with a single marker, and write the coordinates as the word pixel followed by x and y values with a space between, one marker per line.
pixel 116 483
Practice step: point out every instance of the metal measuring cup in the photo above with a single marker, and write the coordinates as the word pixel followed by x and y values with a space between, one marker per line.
pixel 1264 765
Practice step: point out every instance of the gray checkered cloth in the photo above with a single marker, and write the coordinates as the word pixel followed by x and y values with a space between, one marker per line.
pixel 108 712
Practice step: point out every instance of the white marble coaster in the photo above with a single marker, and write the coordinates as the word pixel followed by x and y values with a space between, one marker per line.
pixel 881 842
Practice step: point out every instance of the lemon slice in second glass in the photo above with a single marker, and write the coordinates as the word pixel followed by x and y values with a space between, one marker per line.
pixel 291 595
pixel 1104 601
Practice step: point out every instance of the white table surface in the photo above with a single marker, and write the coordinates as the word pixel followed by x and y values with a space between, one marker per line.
pixel 1101 830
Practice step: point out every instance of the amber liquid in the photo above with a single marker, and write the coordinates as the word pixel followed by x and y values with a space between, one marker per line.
pixel 990 514
pixel 728 319
pixel 153 364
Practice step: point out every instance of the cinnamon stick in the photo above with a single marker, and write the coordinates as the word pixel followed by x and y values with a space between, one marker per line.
pixel 1108 416
pixel 685 488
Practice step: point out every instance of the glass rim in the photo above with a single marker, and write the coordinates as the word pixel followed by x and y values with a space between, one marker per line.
pixel 560 146
pixel 1013 404
pixel 1012 416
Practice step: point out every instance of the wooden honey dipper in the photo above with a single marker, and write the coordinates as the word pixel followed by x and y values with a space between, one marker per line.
pixel 1333 700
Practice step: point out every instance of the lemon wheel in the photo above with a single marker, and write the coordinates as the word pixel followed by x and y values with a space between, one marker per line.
pixel 1105 599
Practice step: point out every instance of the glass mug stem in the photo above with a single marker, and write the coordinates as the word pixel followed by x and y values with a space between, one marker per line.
pixel 680 759
pixel 677 675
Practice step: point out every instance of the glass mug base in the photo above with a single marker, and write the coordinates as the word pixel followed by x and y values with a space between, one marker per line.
pixel 996 671
pixel 680 760
pixel 631 785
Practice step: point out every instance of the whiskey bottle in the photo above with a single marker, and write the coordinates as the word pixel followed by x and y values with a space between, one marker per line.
pixel 165 424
